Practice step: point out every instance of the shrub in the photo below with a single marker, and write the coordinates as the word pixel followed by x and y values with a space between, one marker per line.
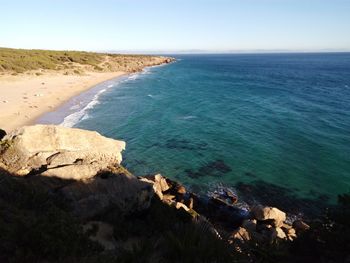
pixel 38 226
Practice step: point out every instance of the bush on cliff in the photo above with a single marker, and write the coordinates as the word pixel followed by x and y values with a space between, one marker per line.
pixel 165 234
pixel 37 226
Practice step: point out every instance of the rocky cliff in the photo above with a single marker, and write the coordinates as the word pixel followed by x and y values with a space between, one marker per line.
pixel 64 197
pixel 81 165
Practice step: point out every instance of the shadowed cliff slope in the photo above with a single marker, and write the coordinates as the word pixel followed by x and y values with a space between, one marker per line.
pixel 113 216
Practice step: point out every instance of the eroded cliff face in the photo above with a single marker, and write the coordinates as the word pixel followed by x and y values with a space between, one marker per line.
pixel 66 153
pixel 115 208
pixel 82 165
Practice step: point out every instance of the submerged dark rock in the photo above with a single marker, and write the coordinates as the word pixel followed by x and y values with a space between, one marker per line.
pixel 284 198
pixel 215 168
pixel 249 174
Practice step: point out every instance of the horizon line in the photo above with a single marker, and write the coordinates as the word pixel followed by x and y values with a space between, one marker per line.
pixel 197 51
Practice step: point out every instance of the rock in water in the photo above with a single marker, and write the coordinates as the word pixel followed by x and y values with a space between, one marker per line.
pixel 269 213
pixel 57 151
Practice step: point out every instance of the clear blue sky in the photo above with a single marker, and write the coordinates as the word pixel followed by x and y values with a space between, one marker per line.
pixel 214 25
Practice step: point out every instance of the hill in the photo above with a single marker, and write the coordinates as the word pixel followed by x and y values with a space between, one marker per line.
pixel 17 61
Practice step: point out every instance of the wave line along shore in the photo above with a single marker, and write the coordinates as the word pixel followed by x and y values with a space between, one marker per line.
pixel 32 86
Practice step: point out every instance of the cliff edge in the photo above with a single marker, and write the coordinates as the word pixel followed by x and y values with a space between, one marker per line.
pixel 64 197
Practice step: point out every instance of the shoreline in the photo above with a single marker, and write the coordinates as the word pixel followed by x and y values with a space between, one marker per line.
pixel 45 117
pixel 61 114
pixel 25 99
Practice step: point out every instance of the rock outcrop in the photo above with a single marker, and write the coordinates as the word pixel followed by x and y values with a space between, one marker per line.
pixel 79 173
pixel 57 151
pixel 261 224
pixel 81 165
pixel 262 213
pixel 159 184
pixel 266 225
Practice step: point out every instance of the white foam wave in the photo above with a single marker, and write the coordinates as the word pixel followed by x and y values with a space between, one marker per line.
pixel 75 107
pixel 189 117
pixel 133 76
pixel 77 116
pixel 74 118
pixel 85 117
pixel 146 71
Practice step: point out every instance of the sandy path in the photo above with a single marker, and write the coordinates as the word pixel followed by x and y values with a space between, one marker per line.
pixel 24 98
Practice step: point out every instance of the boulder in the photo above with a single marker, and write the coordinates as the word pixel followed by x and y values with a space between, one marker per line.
pixel 280 233
pixel 286 226
pixel 56 151
pixel 179 205
pixel 161 181
pixel 156 188
pixel 168 60
pixel 159 184
pixel 181 190
pixel 291 234
pixel 241 234
pixel 271 214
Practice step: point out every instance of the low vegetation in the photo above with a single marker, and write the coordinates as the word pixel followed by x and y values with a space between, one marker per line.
pixel 38 226
pixel 22 60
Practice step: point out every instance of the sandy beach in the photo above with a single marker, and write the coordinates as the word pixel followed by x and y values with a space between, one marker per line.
pixel 24 98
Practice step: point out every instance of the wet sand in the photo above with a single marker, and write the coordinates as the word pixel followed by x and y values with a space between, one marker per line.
pixel 24 98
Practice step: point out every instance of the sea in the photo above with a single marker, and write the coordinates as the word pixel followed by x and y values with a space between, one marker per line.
pixel 274 128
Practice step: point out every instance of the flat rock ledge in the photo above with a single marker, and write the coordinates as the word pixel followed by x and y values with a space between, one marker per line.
pixel 83 166
pixel 56 151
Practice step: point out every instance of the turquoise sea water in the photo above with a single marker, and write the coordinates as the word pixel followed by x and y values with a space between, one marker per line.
pixel 280 119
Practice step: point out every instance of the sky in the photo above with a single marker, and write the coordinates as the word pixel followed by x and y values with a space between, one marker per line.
pixel 176 25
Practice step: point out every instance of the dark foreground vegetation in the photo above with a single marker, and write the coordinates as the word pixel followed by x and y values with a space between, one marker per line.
pixel 37 225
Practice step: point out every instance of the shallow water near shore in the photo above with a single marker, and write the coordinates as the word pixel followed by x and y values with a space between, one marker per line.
pixel 273 119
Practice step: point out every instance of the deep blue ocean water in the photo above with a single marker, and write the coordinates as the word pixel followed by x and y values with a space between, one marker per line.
pixel 281 119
